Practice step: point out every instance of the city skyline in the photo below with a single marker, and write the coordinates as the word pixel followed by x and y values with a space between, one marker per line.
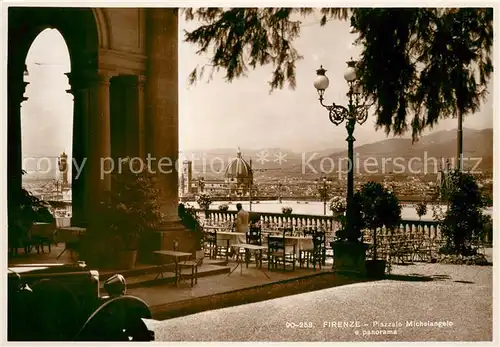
pixel 216 114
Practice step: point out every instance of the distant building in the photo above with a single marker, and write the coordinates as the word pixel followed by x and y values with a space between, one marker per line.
pixel 63 171
pixel 186 177
pixel 238 178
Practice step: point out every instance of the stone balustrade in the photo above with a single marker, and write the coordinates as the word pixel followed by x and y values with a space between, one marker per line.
pixel 274 219
pixel 429 228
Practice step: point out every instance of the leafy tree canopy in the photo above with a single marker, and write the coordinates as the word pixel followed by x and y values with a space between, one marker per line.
pixel 464 218
pixel 418 65
pixel 379 207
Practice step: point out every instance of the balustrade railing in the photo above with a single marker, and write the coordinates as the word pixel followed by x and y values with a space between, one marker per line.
pixel 274 219
pixel 429 229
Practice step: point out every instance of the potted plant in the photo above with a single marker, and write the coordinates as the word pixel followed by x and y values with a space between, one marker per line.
pixel 348 248
pixel 338 206
pixel 223 207
pixel 379 208
pixel 130 208
pixel 204 200
pixel 189 219
pixel 24 210
pixel 287 211
pixel 421 209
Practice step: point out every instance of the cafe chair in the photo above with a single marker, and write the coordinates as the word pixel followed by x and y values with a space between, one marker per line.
pixel 191 264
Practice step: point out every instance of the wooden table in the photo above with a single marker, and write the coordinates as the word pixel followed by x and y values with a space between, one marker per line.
pixel 177 256
pixel 248 247
pixel 301 242
pixel 229 236
pixel 69 235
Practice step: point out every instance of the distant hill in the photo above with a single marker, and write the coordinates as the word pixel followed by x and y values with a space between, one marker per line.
pixel 435 148
pixel 431 149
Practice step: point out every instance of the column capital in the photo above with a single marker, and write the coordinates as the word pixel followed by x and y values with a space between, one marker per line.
pixel 85 79
pixel 104 76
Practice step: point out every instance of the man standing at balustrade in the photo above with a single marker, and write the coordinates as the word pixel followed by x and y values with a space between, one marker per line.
pixel 242 219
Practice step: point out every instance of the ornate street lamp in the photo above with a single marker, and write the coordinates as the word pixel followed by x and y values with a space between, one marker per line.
pixel 324 191
pixel 355 112
pixel 280 186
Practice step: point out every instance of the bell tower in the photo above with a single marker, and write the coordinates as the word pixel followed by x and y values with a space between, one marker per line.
pixel 63 169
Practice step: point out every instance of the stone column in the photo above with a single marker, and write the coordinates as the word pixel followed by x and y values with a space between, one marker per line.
pixel 79 89
pixel 141 81
pixel 131 114
pixel 161 126
pixel 99 161
pixel 16 89
pixel 162 100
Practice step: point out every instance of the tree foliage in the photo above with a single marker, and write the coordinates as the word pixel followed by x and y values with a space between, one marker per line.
pixel 418 65
pixel 421 209
pixel 378 207
pixel 132 206
pixel 464 220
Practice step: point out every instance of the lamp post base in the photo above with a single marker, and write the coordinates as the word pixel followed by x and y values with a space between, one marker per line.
pixel 349 258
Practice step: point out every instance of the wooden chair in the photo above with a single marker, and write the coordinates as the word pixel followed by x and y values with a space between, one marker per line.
pixel 191 264
pixel 305 254
pixel 43 234
pixel 318 254
pixel 254 236
pixel 276 253
pixel 210 243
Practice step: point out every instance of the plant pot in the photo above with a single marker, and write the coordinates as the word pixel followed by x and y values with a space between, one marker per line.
pixel 375 268
pixel 349 258
pixel 125 259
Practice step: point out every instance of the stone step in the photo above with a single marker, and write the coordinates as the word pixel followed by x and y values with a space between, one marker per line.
pixel 150 278
pixel 221 262
pixel 138 271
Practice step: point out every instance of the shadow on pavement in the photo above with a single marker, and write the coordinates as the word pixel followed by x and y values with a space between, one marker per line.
pixel 253 294
pixel 419 278
pixel 410 278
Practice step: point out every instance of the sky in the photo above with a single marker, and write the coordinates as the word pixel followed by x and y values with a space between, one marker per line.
pixel 218 114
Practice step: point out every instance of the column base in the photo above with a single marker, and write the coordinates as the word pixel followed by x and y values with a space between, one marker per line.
pixel 349 258
pixel 162 238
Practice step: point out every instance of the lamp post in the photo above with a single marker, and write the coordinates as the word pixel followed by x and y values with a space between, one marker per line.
pixel 355 112
pixel 324 191
pixel 280 186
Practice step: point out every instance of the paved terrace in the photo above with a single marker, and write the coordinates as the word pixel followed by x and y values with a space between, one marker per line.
pixel 421 290
pixel 458 294
pixel 215 288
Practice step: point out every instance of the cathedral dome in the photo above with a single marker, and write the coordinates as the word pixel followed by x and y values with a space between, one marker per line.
pixel 238 168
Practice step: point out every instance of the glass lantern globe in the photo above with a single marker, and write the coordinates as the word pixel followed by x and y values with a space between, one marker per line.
pixel 321 82
pixel 350 74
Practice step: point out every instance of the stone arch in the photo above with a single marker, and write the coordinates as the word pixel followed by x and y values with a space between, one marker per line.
pixel 78 27
pixel 102 21
pixel 80 30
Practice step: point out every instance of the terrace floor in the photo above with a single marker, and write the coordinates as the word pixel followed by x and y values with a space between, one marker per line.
pixel 216 288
